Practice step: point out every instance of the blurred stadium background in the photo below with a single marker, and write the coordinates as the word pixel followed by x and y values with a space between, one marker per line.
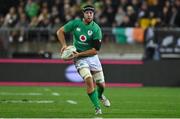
pixel 140 48
pixel 29 27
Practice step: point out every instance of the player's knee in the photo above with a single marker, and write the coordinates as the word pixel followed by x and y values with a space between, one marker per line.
pixel 98 77
pixel 85 73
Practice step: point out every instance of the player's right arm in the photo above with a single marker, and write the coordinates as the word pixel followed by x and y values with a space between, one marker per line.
pixel 68 27
pixel 61 38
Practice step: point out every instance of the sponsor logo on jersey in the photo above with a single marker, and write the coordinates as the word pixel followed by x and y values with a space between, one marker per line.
pixel 82 43
pixel 78 29
pixel 90 32
pixel 82 38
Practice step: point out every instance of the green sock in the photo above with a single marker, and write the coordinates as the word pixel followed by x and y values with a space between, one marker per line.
pixel 94 98
pixel 100 91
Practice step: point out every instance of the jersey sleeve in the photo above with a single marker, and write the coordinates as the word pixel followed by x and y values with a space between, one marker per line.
pixel 98 34
pixel 96 42
pixel 68 27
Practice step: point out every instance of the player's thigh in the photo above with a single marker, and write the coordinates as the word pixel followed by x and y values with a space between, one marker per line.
pixel 94 63
pixel 98 77
pixel 81 63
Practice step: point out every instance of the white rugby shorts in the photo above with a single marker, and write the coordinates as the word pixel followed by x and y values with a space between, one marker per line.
pixel 91 62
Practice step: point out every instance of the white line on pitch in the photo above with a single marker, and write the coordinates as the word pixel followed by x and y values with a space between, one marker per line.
pixel 19 94
pixel 71 102
pixel 52 93
pixel 47 89
pixel 55 94
pixel 26 101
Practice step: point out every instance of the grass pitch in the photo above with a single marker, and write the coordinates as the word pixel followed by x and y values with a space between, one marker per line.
pixel 73 102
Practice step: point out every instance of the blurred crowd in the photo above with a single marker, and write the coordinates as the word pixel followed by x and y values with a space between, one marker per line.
pixel 109 13
pixel 51 14
pixel 35 19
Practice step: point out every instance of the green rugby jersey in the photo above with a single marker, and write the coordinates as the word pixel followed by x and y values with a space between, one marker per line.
pixel 83 33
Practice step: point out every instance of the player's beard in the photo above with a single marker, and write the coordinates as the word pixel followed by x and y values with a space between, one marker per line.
pixel 88 20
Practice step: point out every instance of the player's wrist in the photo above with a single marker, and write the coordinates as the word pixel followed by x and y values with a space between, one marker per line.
pixel 64 45
pixel 76 54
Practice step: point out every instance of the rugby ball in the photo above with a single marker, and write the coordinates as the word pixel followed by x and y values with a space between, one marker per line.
pixel 68 52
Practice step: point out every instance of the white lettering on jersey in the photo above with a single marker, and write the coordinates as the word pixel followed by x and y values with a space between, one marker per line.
pixel 82 43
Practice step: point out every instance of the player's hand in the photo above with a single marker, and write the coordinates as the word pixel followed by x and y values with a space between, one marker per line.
pixel 63 48
pixel 75 54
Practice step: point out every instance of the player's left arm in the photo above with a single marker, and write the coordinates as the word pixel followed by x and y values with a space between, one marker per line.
pixel 96 45
pixel 89 52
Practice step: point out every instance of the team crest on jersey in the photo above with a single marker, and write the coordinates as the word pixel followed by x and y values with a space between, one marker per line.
pixel 90 32
pixel 82 38
pixel 78 29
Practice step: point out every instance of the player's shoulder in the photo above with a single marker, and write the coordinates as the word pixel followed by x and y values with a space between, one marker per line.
pixel 77 20
pixel 96 25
